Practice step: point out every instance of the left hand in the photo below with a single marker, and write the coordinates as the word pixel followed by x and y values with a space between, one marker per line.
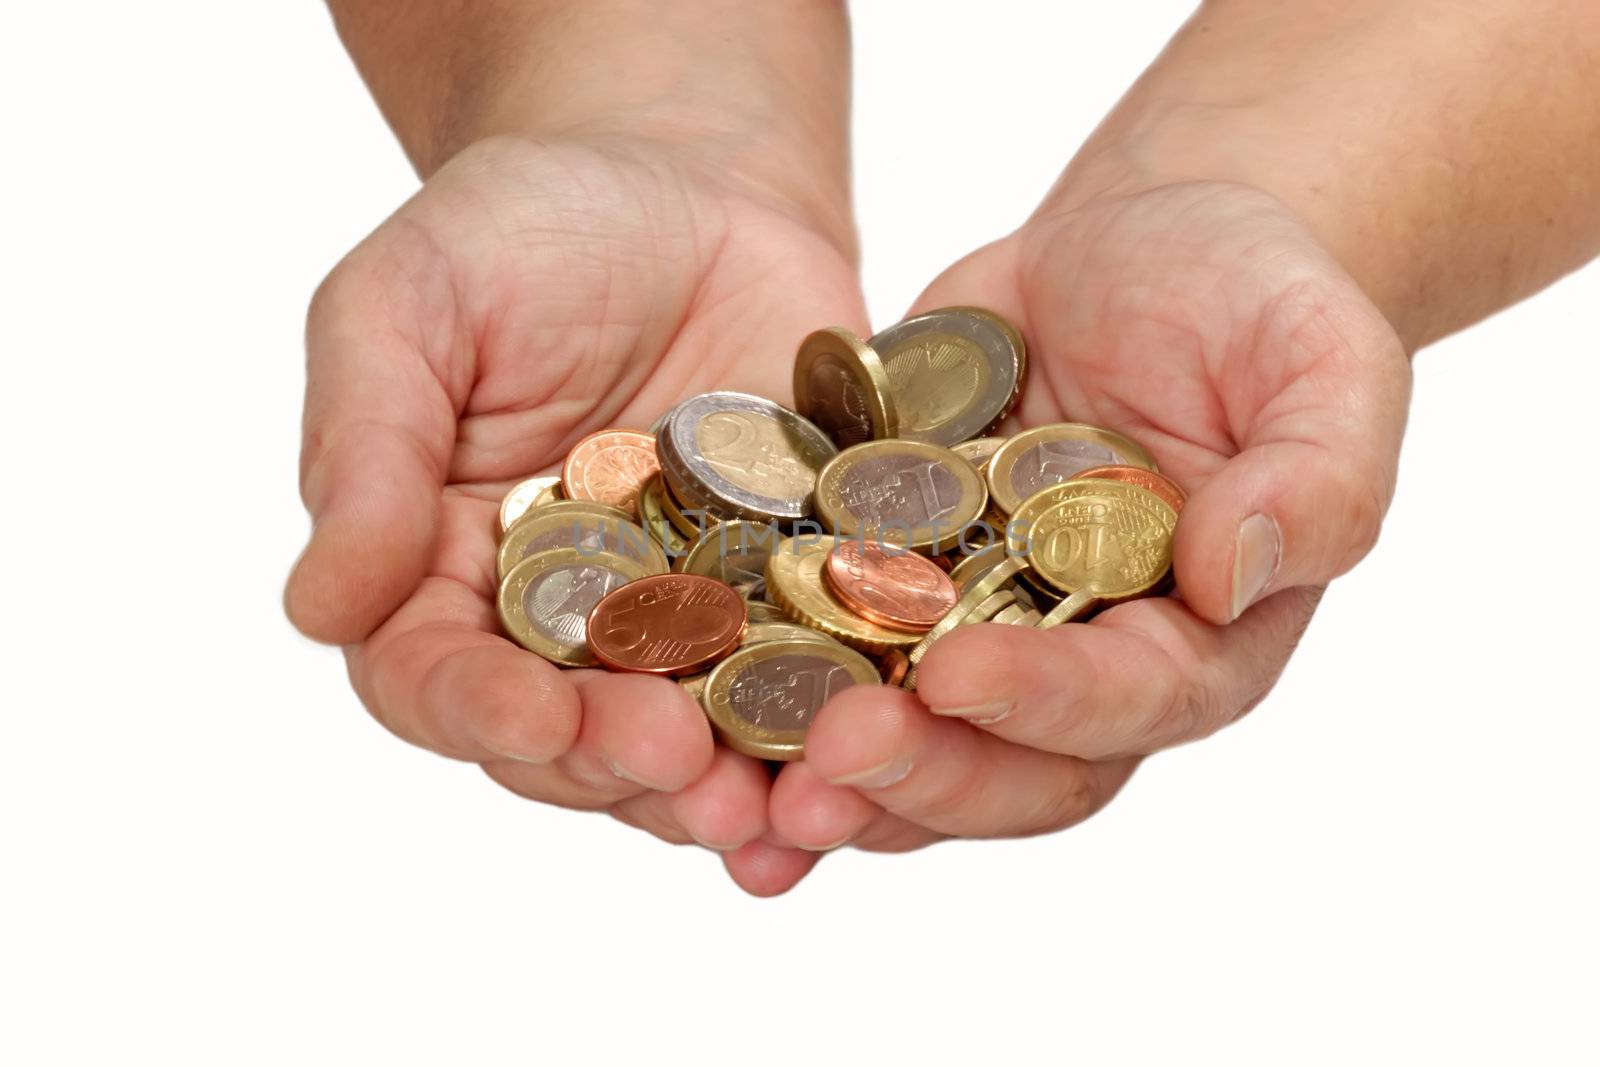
pixel 1206 322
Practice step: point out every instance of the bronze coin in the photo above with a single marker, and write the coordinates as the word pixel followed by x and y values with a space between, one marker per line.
pixel 667 624
pixel 1159 484
pixel 891 587
pixel 611 466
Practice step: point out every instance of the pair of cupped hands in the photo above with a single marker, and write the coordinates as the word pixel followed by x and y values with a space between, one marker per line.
pixel 533 292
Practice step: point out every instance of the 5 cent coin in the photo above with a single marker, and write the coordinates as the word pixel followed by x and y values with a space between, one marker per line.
pixel 674 624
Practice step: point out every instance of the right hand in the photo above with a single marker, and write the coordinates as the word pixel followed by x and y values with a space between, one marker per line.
pixel 529 294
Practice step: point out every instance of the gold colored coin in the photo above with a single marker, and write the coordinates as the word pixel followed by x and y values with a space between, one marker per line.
pixel 979 450
pixel 527 495
pixel 735 553
pixel 652 513
pixel 795 584
pixel 1011 614
pixel 900 492
pixel 1097 540
pixel 759 611
pixel 1111 539
pixel 1048 455
pixel 545 601
pixel 762 632
pixel 840 385
pixel 695 685
pixel 762 698
pixel 581 528
pixel 977 564
pixel 690 526
pixel 989 608
pixel 975 595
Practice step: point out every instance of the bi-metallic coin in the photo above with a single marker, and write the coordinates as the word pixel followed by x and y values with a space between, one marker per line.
pixel 1049 455
pixel 545 601
pixel 953 373
pixel 762 698
pixel 905 493
pixel 840 385
pixel 742 457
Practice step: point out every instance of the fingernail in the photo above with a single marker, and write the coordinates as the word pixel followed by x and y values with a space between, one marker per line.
pixel 711 845
pixel 880 777
pixel 628 776
pixel 1257 551
pixel 516 756
pixel 843 841
pixel 978 714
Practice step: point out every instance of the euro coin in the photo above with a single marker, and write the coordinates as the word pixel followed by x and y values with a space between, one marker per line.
pixel 890 587
pixel 1157 483
pixel 736 553
pixel 761 632
pixel 583 529
pixel 977 564
pixel 795 584
pixel 761 611
pixel 905 493
pixel 526 495
pixel 978 595
pixel 894 665
pixel 762 698
pixel 545 601
pixel 675 624
pixel 652 513
pixel 1049 455
pixel 1104 539
pixel 840 385
pixel 610 466
pixel 690 523
pixel 953 373
pixel 979 450
pixel 742 457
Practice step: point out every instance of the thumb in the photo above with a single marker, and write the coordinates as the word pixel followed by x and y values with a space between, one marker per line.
pixel 379 430
pixel 1303 500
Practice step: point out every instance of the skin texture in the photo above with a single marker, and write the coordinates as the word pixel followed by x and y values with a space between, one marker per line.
pixel 1232 271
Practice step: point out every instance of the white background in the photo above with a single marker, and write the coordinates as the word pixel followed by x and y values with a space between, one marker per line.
pixel 213 856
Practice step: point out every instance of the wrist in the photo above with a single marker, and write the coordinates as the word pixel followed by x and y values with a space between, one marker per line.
pixel 752 96
pixel 1376 234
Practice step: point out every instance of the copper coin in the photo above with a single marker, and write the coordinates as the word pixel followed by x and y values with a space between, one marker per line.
pixel 891 587
pixel 1159 484
pixel 611 466
pixel 667 624
pixel 894 665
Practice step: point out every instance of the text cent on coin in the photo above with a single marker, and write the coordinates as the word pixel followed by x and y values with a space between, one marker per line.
pixel 667 624
pixel 1157 483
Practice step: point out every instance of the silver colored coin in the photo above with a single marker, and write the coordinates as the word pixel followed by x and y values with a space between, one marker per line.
pixel 742 457
pixel 953 373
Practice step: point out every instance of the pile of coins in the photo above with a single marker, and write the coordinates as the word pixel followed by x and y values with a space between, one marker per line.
pixel 767 558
